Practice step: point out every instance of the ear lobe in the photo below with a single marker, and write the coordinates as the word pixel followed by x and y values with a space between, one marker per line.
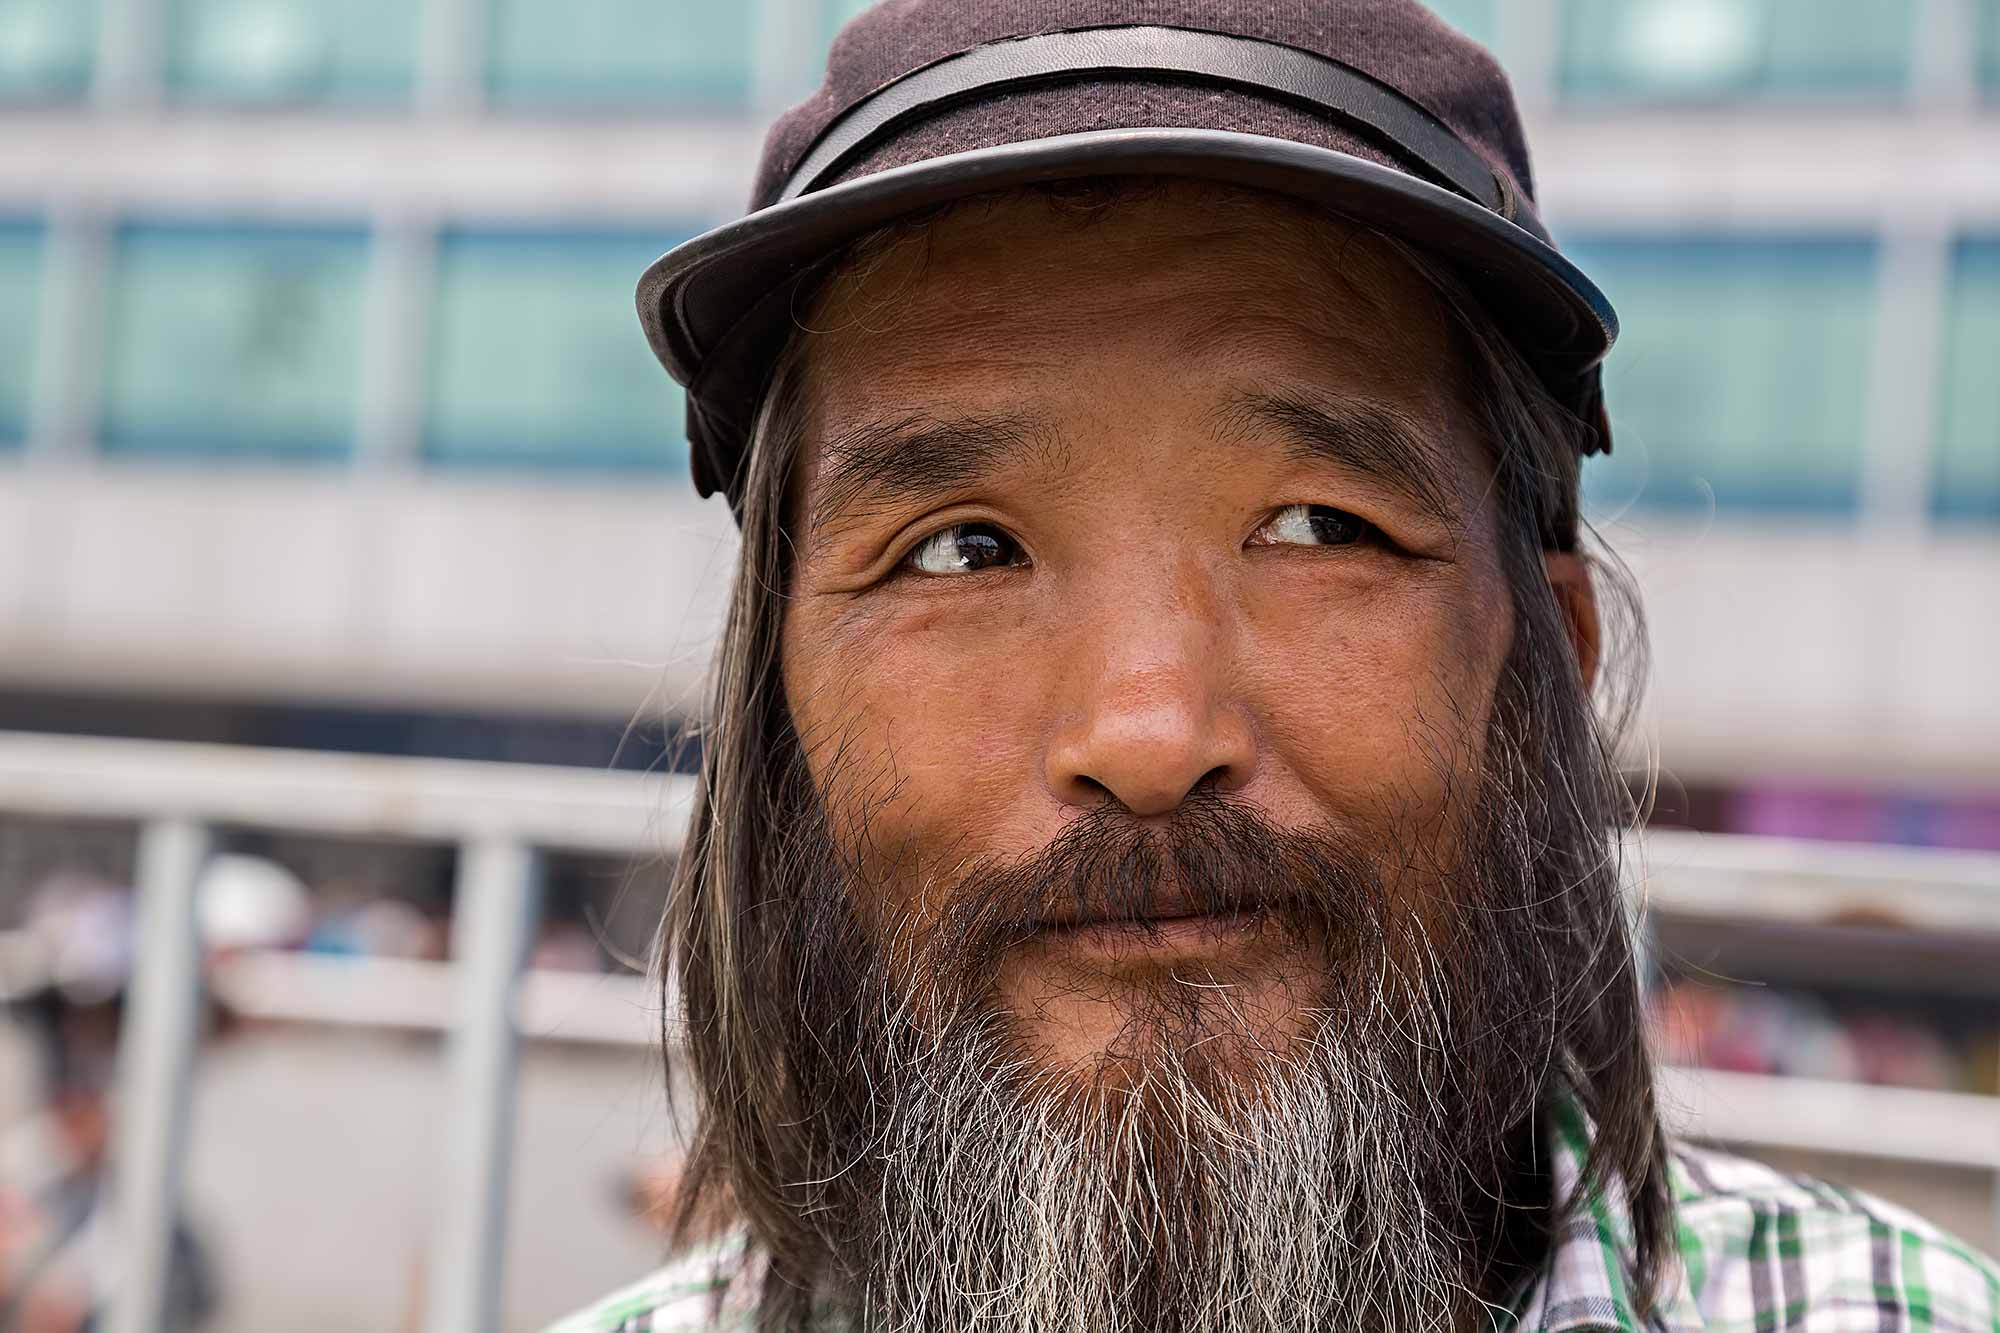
pixel 1576 597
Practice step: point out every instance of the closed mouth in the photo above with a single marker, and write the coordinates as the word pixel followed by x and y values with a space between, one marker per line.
pixel 1156 932
pixel 1170 908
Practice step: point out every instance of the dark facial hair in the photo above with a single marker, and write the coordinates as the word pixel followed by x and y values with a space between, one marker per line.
pixel 1178 1168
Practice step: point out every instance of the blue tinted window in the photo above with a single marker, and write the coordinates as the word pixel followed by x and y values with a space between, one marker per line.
pixel 1989 46
pixel 538 358
pixel 1968 463
pixel 1740 376
pixel 1726 48
pixel 1474 18
pixel 234 341
pixel 620 52
pixel 838 12
pixel 292 50
pixel 20 296
pixel 47 48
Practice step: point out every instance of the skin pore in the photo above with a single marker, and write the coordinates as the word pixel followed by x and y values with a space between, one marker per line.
pixel 1178 499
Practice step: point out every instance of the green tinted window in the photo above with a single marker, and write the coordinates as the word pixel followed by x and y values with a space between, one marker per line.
pixel 1968 465
pixel 292 50
pixel 234 341
pixel 1721 48
pixel 838 12
pixel 20 297
pixel 1474 18
pixel 538 358
pixel 46 48
pixel 1989 46
pixel 1740 375
pixel 611 52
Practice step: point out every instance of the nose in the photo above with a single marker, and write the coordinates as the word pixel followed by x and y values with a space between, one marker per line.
pixel 1152 718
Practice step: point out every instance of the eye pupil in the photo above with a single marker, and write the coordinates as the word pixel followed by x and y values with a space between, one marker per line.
pixel 1334 527
pixel 979 548
pixel 1314 525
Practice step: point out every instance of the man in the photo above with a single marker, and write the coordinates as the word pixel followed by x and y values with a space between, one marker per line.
pixel 1155 865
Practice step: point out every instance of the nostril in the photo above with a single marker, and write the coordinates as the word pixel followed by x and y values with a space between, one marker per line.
pixel 1213 780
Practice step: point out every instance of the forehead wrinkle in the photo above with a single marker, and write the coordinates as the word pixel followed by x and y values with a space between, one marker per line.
pixel 1282 317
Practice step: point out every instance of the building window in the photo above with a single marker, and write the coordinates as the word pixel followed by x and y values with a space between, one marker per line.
pixel 1474 18
pixel 585 53
pixel 20 297
pixel 292 50
pixel 838 12
pixel 537 358
pixel 1731 48
pixel 1968 465
pixel 234 341
pixel 1989 46
pixel 47 48
pixel 1740 377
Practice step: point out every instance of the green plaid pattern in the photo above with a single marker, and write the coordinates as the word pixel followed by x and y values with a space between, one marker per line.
pixel 1759 1251
pixel 703 1289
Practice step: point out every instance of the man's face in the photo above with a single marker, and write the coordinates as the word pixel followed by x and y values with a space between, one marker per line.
pixel 1103 517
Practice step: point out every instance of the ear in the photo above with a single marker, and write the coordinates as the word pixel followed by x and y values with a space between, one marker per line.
pixel 1576 598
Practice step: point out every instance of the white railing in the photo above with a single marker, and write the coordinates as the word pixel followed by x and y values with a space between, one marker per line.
pixel 502 818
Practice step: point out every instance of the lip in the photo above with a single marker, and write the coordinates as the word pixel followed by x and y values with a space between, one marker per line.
pixel 1186 934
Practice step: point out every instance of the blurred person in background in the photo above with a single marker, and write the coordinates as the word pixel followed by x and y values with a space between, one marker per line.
pixel 1156 863
pixel 57 1253
pixel 70 973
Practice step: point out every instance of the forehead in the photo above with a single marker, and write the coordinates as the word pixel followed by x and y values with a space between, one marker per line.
pixel 1033 294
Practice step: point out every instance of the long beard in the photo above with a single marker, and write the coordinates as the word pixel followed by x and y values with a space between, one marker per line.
pixel 1202 1180
pixel 1296 1198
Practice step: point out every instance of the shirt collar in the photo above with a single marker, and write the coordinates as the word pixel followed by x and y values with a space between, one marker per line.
pixel 1584 1286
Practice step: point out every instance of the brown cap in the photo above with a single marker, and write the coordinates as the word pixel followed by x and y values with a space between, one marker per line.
pixel 1374 109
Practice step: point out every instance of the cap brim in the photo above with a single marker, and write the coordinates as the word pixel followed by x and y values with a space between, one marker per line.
pixel 715 307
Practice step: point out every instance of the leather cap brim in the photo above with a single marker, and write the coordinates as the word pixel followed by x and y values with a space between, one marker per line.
pixel 718 308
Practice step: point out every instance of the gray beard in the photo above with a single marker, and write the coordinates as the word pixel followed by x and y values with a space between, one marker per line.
pixel 1294 1193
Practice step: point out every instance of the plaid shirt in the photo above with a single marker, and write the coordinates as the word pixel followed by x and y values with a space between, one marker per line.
pixel 1759 1251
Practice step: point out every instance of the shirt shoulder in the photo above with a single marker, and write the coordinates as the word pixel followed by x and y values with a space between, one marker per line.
pixel 1761 1249
pixel 703 1289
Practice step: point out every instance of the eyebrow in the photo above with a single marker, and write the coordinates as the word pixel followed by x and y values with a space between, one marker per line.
pixel 1375 441
pixel 885 461
pixel 881 462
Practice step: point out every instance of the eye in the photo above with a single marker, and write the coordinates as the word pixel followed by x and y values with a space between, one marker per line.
pixel 1312 525
pixel 964 548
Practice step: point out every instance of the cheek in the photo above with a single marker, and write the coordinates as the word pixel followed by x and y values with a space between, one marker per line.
pixel 1374 701
pixel 933 746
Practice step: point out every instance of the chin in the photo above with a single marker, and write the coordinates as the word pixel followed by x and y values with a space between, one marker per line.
pixel 1222 1020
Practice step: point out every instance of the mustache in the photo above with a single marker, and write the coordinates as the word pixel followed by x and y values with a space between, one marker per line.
pixel 1215 855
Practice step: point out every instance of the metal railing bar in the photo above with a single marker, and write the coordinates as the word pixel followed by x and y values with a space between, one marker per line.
pixel 156 1057
pixel 418 995
pixel 493 918
pixel 357 795
pixel 1742 876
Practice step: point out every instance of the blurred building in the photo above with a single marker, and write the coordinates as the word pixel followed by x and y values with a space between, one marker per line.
pixel 324 415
